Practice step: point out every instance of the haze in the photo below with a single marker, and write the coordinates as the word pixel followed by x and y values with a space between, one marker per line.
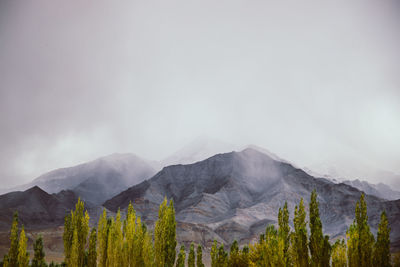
pixel 315 82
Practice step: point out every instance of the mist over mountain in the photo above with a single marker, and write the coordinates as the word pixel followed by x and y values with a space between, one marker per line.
pixel 379 190
pixel 235 195
pixel 98 180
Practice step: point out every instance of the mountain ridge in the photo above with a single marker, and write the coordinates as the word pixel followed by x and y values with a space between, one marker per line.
pixel 234 194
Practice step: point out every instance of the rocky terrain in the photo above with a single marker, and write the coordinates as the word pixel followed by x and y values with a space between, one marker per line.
pixel 236 195
pixel 36 208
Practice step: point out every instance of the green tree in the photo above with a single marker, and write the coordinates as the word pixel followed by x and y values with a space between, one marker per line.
pixel 165 235
pixel 319 246
pixel 73 259
pixel 77 220
pixel 191 257
pixel 23 256
pixel 38 258
pixel 148 251
pixel 92 255
pixel 214 254
pixel 381 254
pixel 222 260
pixel 284 232
pixel 115 242
pixel 5 261
pixel 102 236
pixel 238 258
pixel 326 252
pixel 13 252
pixel 199 259
pixel 300 236
pixel 180 262
pixel 339 254
pixel 360 238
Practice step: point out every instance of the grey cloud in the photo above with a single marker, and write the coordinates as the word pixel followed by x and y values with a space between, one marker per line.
pixel 308 80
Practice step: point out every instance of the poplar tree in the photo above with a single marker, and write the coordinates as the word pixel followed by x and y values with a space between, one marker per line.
pixel 214 254
pixel 73 259
pixel 115 238
pixel 339 254
pixel 199 259
pixel 13 252
pixel 319 245
pixel 361 240
pixel 284 231
pixel 180 262
pixel 38 258
pixel 238 258
pixel 148 251
pixel 92 255
pixel 23 256
pixel 165 235
pixel 102 236
pixel 77 220
pixel 191 257
pixel 300 236
pixel 274 247
pixel 222 260
pixel 381 254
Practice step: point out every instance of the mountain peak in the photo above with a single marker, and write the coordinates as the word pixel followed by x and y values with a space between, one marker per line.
pixel 35 190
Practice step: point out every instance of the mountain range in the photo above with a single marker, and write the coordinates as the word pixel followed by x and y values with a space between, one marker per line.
pixel 225 196
pixel 236 195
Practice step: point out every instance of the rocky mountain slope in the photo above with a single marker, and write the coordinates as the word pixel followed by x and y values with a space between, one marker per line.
pixel 235 195
pixel 36 208
pixel 98 180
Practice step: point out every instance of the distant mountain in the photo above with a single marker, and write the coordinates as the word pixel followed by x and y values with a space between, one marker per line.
pixel 380 190
pixel 342 171
pixel 235 195
pixel 98 180
pixel 36 208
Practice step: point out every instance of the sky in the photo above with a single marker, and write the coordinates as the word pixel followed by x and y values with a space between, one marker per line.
pixel 315 82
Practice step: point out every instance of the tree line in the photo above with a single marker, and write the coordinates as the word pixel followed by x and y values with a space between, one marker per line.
pixel 128 242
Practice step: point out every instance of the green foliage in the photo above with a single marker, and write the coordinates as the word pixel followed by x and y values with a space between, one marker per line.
pixel 199 259
pixel 165 235
pixel 102 236
pixel 269 251
pixel 339 254
pixel 300 247
pixel 219 258
pixel 284 232
pixel 214 254
pixel 316 243
pixel 191 258
pixel 381 254
pixel 238 258
pixel 13 252
pixel 180 262
pixel 360 238
pixel 38 258
pixel 92 254
pixel 76 229
pixel 148 251
pixel 23 256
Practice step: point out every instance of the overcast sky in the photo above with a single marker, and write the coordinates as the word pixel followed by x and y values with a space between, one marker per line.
pixel 316 82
